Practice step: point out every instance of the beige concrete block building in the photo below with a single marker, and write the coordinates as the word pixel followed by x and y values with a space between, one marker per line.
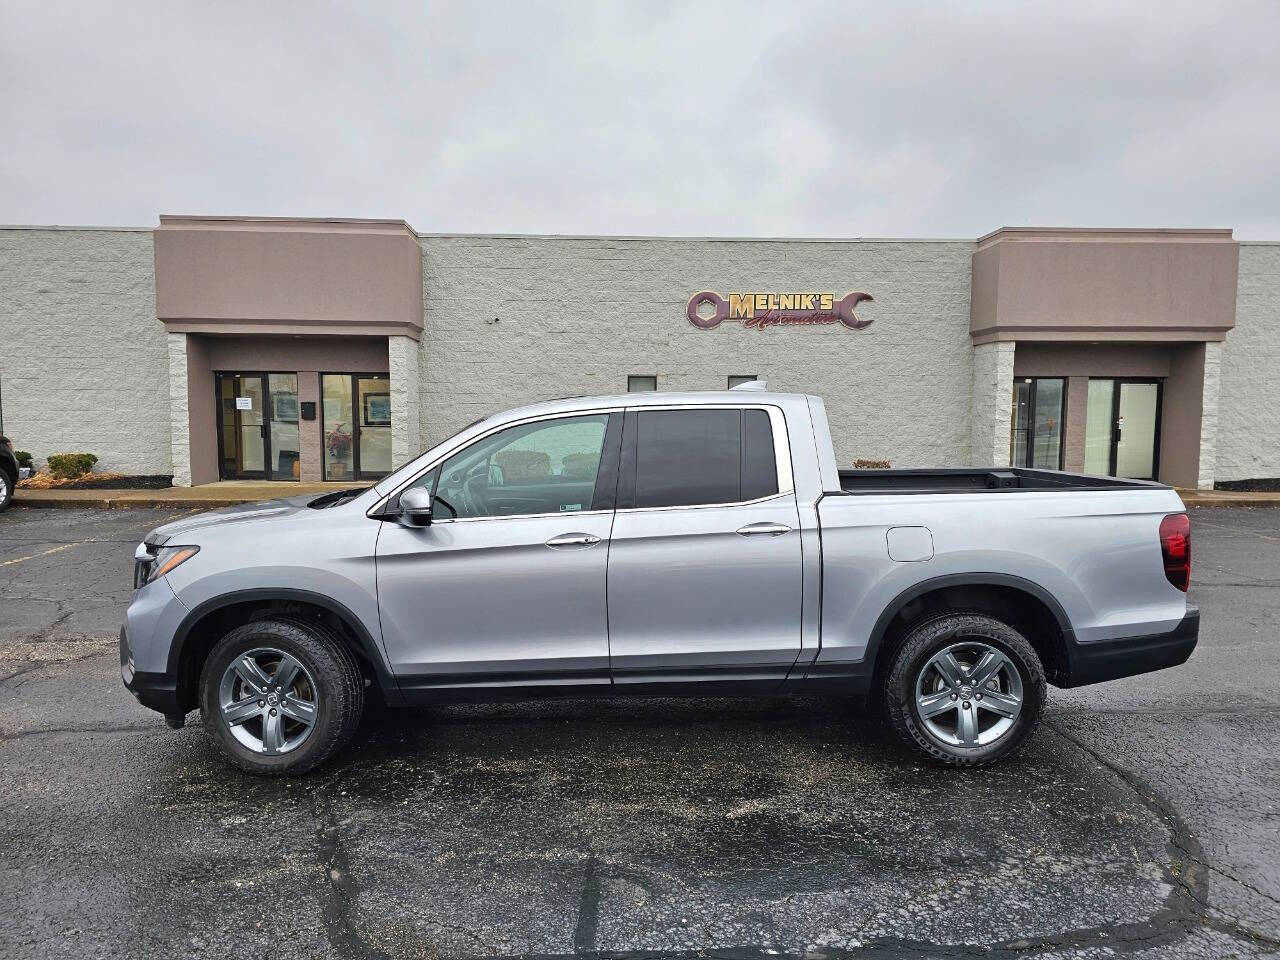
pixel 215 348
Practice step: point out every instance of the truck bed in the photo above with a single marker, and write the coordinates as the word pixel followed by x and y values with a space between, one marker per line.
pixel 1007 479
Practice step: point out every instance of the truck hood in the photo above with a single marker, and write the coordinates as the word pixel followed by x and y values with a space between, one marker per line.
pixel 243 513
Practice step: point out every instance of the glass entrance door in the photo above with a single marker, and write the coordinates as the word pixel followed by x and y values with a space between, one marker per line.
pixel 1122 432
pixel 1036 437
pixel 257 426
pixel 242 431
pixel 1137 426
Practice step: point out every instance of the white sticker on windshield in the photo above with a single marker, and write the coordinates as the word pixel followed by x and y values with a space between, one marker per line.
pixel 570 506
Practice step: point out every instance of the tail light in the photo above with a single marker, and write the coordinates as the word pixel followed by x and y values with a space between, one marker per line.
pixel 1175 544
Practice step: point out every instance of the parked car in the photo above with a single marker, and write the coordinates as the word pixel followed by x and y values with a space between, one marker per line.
pixel 711 547
pixel 8 473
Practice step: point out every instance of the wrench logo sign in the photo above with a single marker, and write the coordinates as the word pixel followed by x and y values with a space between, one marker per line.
pixel 762 310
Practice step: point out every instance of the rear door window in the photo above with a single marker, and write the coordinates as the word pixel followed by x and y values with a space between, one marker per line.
pixel 693 457
pixel 759 466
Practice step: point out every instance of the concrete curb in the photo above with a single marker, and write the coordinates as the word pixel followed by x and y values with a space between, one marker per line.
pixel 126 503
pixel 1228 498
pixel 209 497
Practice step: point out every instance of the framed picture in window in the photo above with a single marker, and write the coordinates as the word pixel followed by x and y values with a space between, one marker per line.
pixel 284 407
pixel 375 410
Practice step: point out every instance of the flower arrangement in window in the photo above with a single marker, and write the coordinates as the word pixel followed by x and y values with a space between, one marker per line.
pixel 338 442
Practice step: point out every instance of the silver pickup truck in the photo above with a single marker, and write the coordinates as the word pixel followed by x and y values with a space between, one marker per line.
pixel 680 543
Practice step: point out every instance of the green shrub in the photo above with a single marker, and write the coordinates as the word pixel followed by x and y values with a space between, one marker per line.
pixel 23 458
pixel 65 466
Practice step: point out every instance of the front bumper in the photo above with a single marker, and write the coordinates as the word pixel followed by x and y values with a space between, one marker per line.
pixel 1111 659
pixel 156 691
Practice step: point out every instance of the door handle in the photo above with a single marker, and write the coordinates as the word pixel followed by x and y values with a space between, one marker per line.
pixel 763 530
pixel 573 540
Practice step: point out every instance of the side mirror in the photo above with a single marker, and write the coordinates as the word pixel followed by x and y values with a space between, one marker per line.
pixel 415 507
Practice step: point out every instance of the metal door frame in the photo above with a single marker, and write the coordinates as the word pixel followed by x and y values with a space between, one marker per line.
pixel 1028 442
pixel 1117 383
pixel 268 472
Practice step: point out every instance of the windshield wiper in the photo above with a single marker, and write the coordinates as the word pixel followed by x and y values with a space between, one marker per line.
pixel 336 498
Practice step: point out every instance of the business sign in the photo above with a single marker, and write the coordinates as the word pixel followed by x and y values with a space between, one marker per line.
pixel 761 310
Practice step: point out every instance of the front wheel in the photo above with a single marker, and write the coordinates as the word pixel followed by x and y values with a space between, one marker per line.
pixel 7 484
pixel 965 689
pixel 280 696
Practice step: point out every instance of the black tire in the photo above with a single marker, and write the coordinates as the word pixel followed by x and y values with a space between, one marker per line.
pixel 921 644
pixel 339 693
pixel 10 485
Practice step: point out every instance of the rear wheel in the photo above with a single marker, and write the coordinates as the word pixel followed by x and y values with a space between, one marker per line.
pixel 965 689
pixel 280 696
pixel 7 484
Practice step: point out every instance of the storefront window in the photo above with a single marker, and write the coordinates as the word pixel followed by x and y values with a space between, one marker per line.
pixel 357 425
pixel 374 417
pixel 1097 430
pixel 1036 435
pixel 339 427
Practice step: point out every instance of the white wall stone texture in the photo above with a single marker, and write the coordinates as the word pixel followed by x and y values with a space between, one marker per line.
pixel 1248 415
pixel 1209 415
pixel 84 362
pixel 403 358
pixel 514 320
pixel 179 417
pixel 991 404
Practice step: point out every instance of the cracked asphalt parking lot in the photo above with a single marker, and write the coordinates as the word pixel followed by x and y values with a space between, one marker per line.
pixel 1141 820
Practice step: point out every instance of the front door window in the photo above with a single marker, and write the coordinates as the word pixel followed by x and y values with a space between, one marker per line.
pixel 1036 439
pixel 548 466
pixel 1123 428
pixel 1136 430
pixel 257 426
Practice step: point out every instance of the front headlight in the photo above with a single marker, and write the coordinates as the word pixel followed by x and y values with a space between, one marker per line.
pixel 168 558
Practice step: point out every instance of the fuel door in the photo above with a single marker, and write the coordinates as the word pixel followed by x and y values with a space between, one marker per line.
pixel 909 544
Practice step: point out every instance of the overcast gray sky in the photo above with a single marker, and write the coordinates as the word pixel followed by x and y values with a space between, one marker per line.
pixel 766 119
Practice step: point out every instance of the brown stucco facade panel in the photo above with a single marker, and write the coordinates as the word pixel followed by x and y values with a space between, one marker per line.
pixel 290 276
pixel 289 354
pixel 1182 417
pixel 1094 360
pixel 1082 285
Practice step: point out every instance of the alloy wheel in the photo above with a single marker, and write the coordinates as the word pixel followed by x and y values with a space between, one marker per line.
pixel 969 694
pixel 268 700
